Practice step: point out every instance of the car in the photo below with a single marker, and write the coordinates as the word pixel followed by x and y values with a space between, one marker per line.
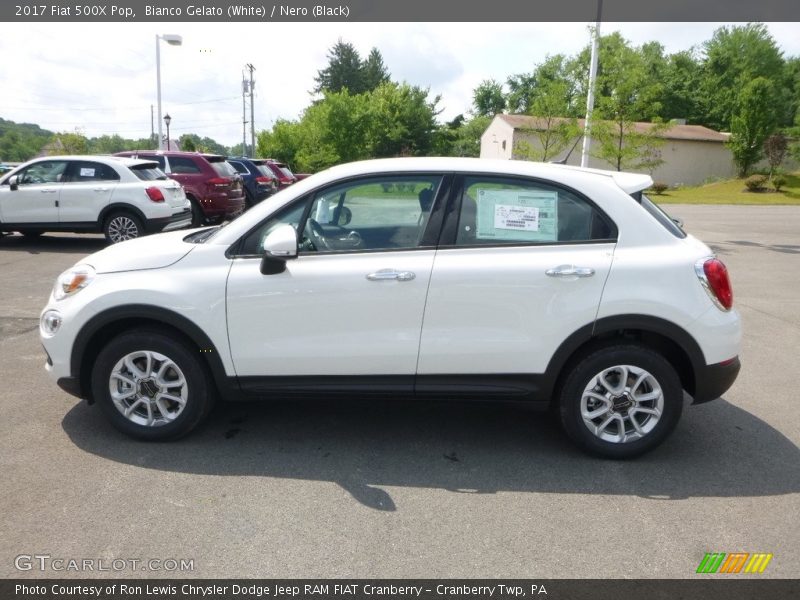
pixel 282 172
pixel 213 187
pixel 122 198
pixel 433 278
pixel 257 179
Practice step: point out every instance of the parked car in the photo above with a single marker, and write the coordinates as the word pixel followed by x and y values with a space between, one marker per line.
pixel 212 185
pixel 282 172
pixel 433 278
pixel 257 178
pixel 301 176
pixel 121 197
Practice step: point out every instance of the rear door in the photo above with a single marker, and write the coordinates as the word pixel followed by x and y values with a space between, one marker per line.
pixel 522 265
pixel 87 190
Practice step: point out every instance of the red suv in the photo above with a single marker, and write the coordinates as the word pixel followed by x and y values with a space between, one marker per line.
pixel 282 172
pixel 212 185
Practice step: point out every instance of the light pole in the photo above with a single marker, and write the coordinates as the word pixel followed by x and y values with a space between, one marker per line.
pixel 167 120
pixel 173 40
pixel 587 124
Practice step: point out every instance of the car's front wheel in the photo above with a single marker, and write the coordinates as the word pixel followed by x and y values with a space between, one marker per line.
pixel 122 226
pixel 621 401
pixel 151 386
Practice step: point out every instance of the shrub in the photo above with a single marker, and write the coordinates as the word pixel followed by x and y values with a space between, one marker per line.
pixel 755 183
pixel 778 181
pixel 659 187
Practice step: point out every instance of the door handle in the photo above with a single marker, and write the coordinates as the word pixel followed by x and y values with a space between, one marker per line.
pixel 569 271
pixel 48 191
pixel 101 189
pixel 391 274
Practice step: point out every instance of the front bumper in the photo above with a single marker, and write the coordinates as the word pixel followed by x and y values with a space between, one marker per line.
pixel 712 381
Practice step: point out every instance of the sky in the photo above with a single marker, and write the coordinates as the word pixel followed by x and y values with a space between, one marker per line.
pixel 100 78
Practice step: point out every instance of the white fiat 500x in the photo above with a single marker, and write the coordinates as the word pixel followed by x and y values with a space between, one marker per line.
pixel 428 278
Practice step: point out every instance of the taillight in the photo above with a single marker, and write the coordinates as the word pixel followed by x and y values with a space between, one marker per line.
pixel 714 276
pixel 263 179
pixel 219 181
pixel 155 194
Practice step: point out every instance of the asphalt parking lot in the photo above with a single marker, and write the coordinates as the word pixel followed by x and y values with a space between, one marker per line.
pixel 390 490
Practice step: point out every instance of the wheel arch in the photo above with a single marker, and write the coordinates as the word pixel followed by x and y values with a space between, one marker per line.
pixel 672 341
pixel 105 326
pixel 120 207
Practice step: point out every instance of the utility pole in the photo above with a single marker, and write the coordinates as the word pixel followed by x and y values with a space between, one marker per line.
pixel 245 90
pixel 152 125
pixel 252 118
pixel 587 128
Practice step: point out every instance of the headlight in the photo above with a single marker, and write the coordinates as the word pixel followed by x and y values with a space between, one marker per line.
pixel 72 281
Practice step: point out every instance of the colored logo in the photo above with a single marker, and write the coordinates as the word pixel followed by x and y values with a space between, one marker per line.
pixel 735 562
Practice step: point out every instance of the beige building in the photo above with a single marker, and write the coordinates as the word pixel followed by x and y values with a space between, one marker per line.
pixel 692 154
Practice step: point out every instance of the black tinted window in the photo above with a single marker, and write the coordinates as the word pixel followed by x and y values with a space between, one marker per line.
pixel 238 166
pixel 183 165
pixel 84 171
pixel 148 172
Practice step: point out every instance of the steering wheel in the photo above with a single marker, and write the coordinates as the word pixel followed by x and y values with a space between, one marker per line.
pixel 317 235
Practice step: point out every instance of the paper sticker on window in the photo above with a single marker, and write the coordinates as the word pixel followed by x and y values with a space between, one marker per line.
pixel 87 172
pixel 517 215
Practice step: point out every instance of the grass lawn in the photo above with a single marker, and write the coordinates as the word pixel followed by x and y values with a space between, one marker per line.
pixel 732 191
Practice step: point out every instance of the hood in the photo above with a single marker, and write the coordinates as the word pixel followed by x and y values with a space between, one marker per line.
pixel 148 252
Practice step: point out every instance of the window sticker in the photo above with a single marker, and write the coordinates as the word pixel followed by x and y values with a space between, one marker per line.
pixel 517 215
pixel 87 172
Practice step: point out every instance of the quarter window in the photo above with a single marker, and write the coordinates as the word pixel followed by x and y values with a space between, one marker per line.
pixel 497 211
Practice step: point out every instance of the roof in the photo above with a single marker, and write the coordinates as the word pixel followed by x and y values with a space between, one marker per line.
pixel 676 131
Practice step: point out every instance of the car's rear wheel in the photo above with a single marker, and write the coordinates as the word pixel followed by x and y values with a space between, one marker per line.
pixel 620 401
pixel 122 226
pixel 198 219
pixel 151 386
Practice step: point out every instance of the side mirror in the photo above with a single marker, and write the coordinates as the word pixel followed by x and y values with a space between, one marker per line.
pixel 279 246
pixel 13 182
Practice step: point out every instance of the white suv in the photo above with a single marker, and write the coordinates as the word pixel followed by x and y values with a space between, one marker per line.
pixel 432 278
pixel 120 197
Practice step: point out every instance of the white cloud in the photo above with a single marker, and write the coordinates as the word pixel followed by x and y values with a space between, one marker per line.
pixel 100 78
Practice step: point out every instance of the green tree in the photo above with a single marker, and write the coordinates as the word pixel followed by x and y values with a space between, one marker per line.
pixel 754 119
pixel 488 99
pixel 109 144
pixel 734 56
pixel 344 70
pixel 373 71
pixel 68 143
pixel 553 132
pixel 460 137
pixel 402 121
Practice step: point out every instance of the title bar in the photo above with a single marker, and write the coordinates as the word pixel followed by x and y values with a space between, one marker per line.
pixel 399 11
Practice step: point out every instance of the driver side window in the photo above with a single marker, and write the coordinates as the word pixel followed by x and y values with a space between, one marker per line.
pixel 380 213
pixel 49 171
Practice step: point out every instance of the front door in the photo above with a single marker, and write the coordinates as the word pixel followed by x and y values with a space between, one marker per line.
pixel 351 304
pixel 36 198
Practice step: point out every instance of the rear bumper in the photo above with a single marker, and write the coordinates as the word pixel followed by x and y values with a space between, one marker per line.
pixel 171 223
pixel 714 380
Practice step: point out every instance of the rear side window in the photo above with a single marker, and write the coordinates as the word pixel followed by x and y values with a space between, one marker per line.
pixel 222 168
pixel 239 166
pixel 87 171
pixel 148 172
pixel 501 210
pixel 181 165
pixel 660 216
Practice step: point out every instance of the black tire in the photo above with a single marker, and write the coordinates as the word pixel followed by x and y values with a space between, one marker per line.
pixel 586 370
pixel 197 392
pixel 249 202
pixel 198 218
pixel 121 226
